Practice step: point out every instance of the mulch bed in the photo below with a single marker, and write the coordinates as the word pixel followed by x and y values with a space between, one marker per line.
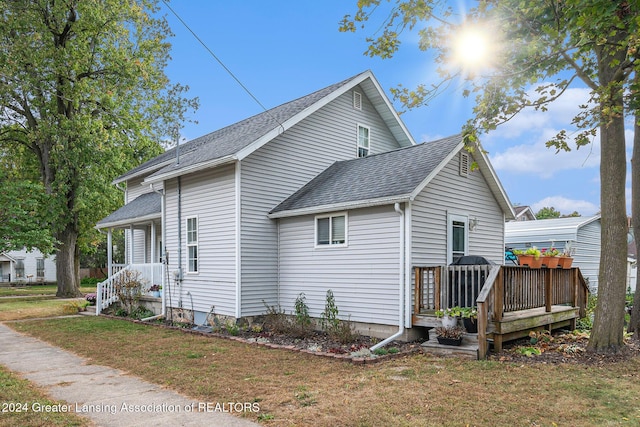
pixel 562 347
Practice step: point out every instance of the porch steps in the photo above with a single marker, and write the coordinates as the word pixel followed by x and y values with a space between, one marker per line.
pixel 468 349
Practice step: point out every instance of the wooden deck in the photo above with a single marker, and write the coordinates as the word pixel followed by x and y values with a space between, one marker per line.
pixel 511 301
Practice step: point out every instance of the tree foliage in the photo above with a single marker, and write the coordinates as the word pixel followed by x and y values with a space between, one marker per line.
pixel 84 96
pixel 547 212
pixel 540 49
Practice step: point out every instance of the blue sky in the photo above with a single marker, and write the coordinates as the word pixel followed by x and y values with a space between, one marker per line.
pixel 281 50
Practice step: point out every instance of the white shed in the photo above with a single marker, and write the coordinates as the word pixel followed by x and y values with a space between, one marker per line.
pixel 580 234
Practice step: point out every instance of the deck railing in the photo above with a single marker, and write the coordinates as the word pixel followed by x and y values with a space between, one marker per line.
pixel 106 292
pixel 440 287
pixel 496 290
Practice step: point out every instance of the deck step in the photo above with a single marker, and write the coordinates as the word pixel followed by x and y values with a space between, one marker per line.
pixel 468 348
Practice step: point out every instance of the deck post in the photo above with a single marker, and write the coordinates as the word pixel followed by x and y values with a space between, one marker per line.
pixel 437 282
pixel 498 303
pixel 548 297
pixel 482 331
pixel 417 293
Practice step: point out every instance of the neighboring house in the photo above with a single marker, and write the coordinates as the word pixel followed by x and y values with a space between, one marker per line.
pixel 24 266
pixel 328 191
pixel 524 213
pixel 580 234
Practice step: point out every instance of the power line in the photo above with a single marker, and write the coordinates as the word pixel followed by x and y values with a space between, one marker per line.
pixel 221 63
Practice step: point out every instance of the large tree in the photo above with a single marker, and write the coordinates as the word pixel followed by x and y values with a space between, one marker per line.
pixel 540 48
pixel 83 92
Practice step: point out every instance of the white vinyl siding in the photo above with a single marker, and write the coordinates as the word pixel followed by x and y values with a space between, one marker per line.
pixel 30 265
pixel 448 193
pixel 281 167
pixel 363 276
pixel 210 196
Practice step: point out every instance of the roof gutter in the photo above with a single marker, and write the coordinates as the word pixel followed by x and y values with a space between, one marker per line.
pixel 189 169
pixel 127 222
pixel 341 206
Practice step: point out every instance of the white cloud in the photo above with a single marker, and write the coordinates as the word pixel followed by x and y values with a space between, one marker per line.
pixel 527 133
pixel 535 158
pixel 566 206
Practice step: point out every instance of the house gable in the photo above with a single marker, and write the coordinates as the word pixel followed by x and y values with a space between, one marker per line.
pixel 279 168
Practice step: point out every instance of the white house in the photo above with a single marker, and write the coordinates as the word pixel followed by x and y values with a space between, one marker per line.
pixel 581 234
pixel 328 191
pixel 23 266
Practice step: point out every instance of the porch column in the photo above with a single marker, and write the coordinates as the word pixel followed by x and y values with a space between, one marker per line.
pixel 109 253
pixel 131 244
pixel 154 255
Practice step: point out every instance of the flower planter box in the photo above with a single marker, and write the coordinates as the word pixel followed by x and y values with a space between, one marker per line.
pixel 550 261
pixel 450 341
pixel 565 262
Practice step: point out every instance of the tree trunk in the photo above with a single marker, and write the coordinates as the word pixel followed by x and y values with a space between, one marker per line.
pixel 67 264
pixel 634 323
pixel 607 333
pixel 608 325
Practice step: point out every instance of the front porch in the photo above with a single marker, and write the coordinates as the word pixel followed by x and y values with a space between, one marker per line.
pixel 511 301
pixel 147 274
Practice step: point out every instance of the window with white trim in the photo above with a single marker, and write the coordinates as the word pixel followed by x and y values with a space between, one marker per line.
pixel 331 230
pixel 40 267
pixel 457 241
pixel 363 141
pixel 19 269
pixel 192 245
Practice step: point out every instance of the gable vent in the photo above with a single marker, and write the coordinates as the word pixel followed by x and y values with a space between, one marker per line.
pixel 357 100
pixel 464 163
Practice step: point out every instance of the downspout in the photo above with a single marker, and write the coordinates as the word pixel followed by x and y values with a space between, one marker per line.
pixel 163 234
pixel 401 297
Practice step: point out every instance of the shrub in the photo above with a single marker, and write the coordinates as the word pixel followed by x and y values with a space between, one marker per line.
pixel 342 331
pixel 276 319
pixel 129 288
pixel 302 325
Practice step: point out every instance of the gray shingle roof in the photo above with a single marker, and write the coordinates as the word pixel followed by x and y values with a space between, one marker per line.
pixel 231 139
pixel 145 205
pixel 391 174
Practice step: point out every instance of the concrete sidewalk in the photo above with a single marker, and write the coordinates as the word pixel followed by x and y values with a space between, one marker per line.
pixel 107 396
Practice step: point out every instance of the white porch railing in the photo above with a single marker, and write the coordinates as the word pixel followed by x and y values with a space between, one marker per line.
pixel 106 290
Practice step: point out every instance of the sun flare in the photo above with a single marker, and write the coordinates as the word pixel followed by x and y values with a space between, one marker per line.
pixel 472 49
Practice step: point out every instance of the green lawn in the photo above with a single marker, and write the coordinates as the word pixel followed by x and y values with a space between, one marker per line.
pixel 34 307
pixel 301 389
pixel 38 290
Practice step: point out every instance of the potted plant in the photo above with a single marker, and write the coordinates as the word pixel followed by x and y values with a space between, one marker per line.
pixel 550 257
pixel 449 336
pixel 470 319
pixel 565 260
pixel 529 257
pixel 155 290
pixel 449 316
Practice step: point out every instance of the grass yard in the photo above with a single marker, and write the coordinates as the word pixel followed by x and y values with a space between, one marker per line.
pixel 301 389
pixel 33 307
pixel 23 404
pixel 31 290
